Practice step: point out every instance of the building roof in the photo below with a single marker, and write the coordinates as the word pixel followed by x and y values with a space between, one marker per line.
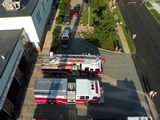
pixel 51 86
pixel 84 87
pixel 9 39
pixel 27 10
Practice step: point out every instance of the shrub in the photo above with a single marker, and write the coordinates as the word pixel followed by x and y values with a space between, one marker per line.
pixel 66 1
pixel 54 43
pixel 59 20
pixel 61 6
pixel 61 13
pixel 55 33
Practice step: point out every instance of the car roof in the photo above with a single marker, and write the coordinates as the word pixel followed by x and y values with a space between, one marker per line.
pixel 68 13
pixel 65 33
pixel 77 5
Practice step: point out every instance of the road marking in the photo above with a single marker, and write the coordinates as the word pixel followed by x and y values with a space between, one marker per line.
pixel 37 64
pixel 30 88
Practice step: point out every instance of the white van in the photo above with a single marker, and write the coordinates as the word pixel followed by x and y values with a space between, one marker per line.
pixel 65 38
pixel 139 118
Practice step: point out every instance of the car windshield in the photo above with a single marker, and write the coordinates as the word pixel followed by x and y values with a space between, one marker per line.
pixel 75 9
pixel 66 17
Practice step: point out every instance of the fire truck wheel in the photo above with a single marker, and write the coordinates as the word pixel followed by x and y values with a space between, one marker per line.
pixel 52 103
pixel 58 75
pixel 90 75
pixel 87 103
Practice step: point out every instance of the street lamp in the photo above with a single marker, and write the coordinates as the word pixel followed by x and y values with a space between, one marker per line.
pixel 88 13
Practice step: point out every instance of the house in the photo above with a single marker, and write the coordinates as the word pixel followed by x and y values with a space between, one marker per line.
pixel 32 15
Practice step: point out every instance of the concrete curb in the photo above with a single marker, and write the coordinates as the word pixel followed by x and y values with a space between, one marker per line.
pixel 151 13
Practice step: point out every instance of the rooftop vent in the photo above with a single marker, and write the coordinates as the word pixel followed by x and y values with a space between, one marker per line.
pixel 13 5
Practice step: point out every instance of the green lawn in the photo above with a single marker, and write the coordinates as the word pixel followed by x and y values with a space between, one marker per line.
pixel 148 4
pixel 109 45
pixel 155 14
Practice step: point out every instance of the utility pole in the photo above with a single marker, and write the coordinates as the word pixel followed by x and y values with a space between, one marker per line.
pixel 88 13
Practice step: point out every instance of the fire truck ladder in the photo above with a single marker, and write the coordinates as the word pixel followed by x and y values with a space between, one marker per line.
pixel 71 92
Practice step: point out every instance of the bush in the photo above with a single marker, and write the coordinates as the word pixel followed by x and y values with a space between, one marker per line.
pixel 61 6
pixel 59 20
pixel 54 43
pixel 61 13
pixel 55 33
pixel 66 2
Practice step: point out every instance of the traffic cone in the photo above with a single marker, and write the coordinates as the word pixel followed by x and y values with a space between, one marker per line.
pixel 122 4
pixel 76 15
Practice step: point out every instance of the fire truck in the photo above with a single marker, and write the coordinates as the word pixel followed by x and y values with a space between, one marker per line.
pixel 60 91
pixel 71 64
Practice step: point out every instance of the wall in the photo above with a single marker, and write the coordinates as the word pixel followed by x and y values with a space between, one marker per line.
pixel 9 68
pixel 44 14
pixel 19 23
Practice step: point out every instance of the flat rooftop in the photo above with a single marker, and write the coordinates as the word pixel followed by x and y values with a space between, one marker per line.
pixel 27 10
pixel 56 86
pixel 8 41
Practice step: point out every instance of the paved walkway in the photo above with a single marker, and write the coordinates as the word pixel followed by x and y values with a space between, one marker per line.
pixel 48 38
pixel 156 6
pixel 123 40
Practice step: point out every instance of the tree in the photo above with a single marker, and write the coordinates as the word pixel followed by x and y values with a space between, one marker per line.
pixel 105 27
pixel 59 20
pixel 61 6
pixel 66 2
pixel 98 4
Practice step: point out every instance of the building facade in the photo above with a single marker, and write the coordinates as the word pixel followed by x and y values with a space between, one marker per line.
pixel 14 59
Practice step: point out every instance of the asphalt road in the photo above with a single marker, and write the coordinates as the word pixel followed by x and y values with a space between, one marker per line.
pixel 147 57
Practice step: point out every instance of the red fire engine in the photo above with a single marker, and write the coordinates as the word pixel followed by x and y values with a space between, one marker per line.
pixel 65 64
pixel 60 91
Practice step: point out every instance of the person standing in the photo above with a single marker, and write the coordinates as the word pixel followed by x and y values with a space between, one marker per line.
pixel 154 93
pixel 150 93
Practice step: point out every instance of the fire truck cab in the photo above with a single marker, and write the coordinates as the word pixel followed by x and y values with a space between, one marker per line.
pixel 60 91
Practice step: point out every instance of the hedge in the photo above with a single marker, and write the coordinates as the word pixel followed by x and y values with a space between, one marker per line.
pixel 59 20
pixel 61 6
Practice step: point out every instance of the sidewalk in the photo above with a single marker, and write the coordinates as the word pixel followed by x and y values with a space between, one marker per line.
pixel 48 38
pixel 123 40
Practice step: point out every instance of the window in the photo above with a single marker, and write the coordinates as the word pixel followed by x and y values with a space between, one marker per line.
pixel 97 70
pixel 95 97
pixel 43 6
pixel 38 15
pixel 82 97
pixel 87 97
pixel 86 68
pixel 91 69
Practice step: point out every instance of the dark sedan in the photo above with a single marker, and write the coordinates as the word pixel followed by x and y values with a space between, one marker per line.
pixel 76 9
pixel 67 17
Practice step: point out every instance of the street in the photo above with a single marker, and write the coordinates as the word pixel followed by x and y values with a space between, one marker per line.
pixel 146 59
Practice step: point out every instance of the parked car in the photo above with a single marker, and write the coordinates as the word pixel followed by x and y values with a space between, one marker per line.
pixel 66 37
pixel 76 9
pixel 67 17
